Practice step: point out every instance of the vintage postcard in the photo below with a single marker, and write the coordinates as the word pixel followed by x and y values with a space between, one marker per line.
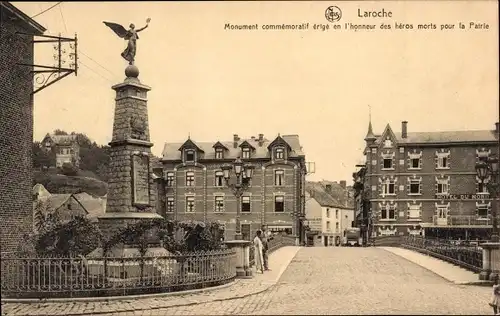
pixel 249 157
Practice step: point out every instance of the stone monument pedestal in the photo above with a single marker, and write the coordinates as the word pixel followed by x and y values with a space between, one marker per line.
pixel 242 247
pixel 491 261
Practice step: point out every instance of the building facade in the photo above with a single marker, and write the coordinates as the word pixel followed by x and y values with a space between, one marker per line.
pixel 65 147
pixel 193 187
pixel 426 184
pixel 16 124
pixel 328 213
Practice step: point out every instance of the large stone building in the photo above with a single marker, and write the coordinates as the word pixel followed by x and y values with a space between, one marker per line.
pixel 65 147
pixel 194 188
pixel 425 183
pixel 16 123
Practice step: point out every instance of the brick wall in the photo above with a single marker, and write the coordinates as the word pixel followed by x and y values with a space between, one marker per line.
pixel 461 173
pixel 261 192
pixel 16 130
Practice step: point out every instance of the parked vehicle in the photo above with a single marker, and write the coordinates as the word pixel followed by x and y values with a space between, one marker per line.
pixel 352 237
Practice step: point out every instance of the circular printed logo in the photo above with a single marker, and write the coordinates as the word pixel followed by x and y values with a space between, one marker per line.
pixel 333 14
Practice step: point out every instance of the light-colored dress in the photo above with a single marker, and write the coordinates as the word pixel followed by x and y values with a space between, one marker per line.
pixel 259 260
pixel 495 298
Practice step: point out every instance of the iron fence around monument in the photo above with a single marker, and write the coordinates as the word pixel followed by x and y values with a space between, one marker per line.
pixel 58 277
pixel 465 255
pixel 275 242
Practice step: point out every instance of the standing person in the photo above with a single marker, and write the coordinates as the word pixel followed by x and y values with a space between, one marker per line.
pixel 265 248
pixel 495 296
pixel 258 255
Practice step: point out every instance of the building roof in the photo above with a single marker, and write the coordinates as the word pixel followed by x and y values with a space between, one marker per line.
pixel 55 201
pixel 441 137
pixel 317 191
pixel 32 24
pixel 62 139
pixel 171 150
pixel 94 206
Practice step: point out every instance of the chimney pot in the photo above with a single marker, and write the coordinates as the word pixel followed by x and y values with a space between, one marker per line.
pixel 328 188
pixel 235 140
pixel 261 140
pixel 404 129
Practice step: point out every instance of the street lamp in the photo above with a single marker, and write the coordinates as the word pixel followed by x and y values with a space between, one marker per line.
pixel 485 168
pixel 243 173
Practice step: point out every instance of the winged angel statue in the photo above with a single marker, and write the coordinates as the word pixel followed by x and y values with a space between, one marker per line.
pixel 130 35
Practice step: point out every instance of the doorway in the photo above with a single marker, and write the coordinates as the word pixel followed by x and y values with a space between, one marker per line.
pixel 325 240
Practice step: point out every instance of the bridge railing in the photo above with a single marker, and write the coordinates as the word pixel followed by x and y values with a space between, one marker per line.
pixel 275 242
pixel 466 255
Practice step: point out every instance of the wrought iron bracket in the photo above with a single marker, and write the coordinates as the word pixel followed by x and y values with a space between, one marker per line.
pixel 44 75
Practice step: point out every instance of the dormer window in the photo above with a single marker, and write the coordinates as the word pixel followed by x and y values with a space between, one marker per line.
pixel 219 153
pixel 190 155
pixel 245 153
pixel 279 153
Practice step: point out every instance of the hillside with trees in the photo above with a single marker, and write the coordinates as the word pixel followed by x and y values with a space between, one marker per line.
pixel 90 177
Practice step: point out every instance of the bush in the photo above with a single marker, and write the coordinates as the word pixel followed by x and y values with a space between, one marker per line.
pixel 69 169
pixel 77 237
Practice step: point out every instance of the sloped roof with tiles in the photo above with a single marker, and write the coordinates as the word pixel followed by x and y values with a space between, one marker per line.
pixel 62 139
pixel 94 206
pixel 444 137
pixel 171 150
pixel 318 192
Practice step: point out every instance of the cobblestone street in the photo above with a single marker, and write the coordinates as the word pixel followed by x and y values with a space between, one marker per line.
pixel 338 281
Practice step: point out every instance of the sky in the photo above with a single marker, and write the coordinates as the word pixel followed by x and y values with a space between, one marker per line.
pixel 211 83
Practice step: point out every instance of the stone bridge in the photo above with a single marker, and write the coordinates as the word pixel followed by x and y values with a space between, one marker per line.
pixel 313 280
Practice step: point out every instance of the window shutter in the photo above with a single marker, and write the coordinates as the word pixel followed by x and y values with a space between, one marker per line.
pixel 382 162
pixel 408 187
pixel 409 162
pixel 436 186
pixel 436 161
pixel 420 212
pixel 420 187
pixel 395 213
pixel 489 209
pixel 448 162
pixel 408 212
pixel 420 162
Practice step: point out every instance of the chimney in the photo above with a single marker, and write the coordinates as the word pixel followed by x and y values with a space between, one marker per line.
pixel 253 138
pixel 497 127
pixel 235 140
pixel 343 184
pixel 328 188
pixel 261 139
pixel 404 129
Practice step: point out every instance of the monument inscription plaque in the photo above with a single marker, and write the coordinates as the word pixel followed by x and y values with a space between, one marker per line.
pixel 140 179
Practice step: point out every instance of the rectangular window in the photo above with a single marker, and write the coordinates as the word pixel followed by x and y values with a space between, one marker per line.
pixel 415 163
pixel 336 214
pixel 414 187
pixel 389 187
pixel 190 155
pixel 219 153
pixel 482 187
pixel 245 204
pixel 219 179
pixel 442 212
pixel 170 179
pixel 219 204
pixel 442 162
pixel 337 227
pixel 442 187
pixel 279 177
pixel 328 225
pixel 190 179
pixel 280 153
pixel 279 203
pixel 414 211
pixel 482 211
pixel 387 163
pixel 245 153
pixel 189 204
pixel 327 213
pixel 170 204
pixel 388 212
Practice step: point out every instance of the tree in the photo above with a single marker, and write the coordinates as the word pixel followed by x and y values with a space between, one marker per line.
pixel 41 157
pixel 60 132
pixel 69 169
